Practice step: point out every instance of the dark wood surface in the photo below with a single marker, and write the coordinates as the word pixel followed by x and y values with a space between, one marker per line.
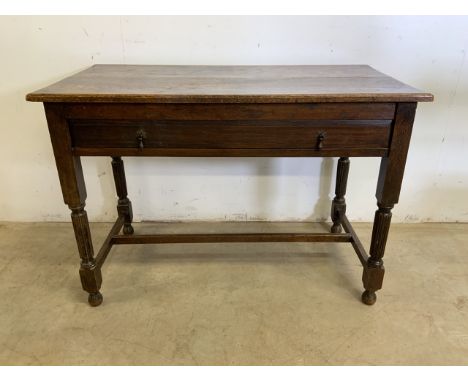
pixel 338 208
pixel 231 238
pixel 344 111
pixel 229 84
pixel 391 172
pixel 313 129
pixel 74 195
pixel 372 134
pixel 249 153
pixel 124 205
pixel 230 112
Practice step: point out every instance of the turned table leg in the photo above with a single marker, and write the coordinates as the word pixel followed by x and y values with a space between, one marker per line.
pixel 74 195
pixel 391 172
pixel 374 270
pixel 90 274
pixel 338 208
pixel 124 205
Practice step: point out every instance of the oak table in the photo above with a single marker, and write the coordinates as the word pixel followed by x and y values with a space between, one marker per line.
pixel 230 111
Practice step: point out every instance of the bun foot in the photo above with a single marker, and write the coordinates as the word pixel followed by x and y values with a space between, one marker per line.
pixel 336 228
pixel 95 299
pixel 369 298
pixel 128 229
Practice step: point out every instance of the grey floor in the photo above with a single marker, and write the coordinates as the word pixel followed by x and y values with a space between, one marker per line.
pixel 232 304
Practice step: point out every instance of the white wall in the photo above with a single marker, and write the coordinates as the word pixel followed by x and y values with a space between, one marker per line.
pixel 426 52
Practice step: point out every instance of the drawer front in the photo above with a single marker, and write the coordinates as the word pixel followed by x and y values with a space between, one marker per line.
pixel 216 134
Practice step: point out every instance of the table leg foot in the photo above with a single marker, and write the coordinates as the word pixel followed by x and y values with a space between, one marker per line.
pixel 128 229
pixel 95 299
pixel 336 228
pixel 368 297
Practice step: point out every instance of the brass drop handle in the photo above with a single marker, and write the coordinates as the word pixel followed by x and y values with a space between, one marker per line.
pixel 320 139
pixel 141 139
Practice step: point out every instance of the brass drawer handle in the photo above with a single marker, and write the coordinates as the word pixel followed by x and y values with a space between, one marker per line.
pixel 141 139
pixel 320 139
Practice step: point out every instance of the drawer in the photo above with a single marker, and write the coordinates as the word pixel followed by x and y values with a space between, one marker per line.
pixel 214 134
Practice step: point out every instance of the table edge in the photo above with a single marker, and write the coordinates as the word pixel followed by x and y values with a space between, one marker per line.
pixel 260 98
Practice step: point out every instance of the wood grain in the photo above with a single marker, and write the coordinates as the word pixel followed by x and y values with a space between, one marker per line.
pixel 228 112
pixel 229 84
pixel 392 167
pixel 338 208
pixel 389 183
pixel 246 111
pixel 231 238
pixel 271 153
pixel 369 134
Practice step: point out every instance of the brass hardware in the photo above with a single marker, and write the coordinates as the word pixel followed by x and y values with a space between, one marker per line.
pixel 320 139
pixel 140 139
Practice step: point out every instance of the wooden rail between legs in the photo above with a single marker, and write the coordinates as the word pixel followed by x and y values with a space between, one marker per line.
pixel 115 238
pixel 356 243
pixel 231 238
pixel 107 245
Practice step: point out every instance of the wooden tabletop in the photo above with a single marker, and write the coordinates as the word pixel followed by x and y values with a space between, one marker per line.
pixel 229 84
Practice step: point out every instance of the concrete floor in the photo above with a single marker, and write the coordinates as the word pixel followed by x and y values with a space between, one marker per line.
pixel 232 304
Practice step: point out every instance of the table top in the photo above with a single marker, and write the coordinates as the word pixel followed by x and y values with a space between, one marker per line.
pixel 229 84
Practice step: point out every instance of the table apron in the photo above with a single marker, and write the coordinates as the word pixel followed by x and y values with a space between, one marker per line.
pixel 247 153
